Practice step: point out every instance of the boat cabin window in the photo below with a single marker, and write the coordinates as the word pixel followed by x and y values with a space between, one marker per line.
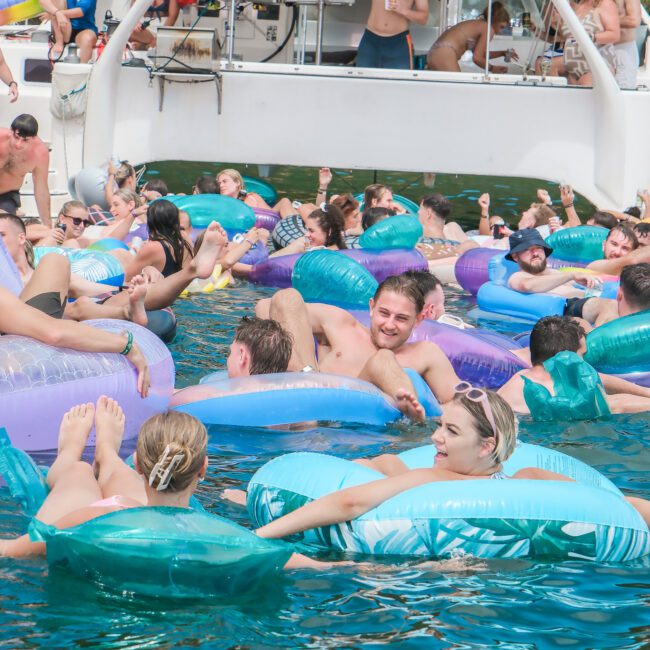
pixel 38 71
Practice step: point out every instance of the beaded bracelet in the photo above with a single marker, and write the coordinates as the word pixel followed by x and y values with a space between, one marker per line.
pixel 129 343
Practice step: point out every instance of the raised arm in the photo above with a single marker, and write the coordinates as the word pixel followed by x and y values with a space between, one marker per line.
pixel 567 196
pixel 41 189
pixel 484 221
pixel 345 505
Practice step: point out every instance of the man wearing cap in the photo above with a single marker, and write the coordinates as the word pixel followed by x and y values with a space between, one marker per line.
pixel 530 252
pixel 22 151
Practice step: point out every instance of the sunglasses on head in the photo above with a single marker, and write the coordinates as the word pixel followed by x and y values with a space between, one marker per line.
pixel 480 396
pixel 76 221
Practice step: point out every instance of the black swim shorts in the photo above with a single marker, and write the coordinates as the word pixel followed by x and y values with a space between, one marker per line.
pixel 10 201
pixel 49 303
pixel 574 307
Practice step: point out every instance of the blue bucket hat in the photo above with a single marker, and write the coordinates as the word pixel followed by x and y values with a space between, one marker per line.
pixel 522 240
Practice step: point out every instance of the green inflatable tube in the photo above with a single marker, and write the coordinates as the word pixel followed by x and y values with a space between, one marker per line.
pixel 579 244
pixel 232 214
pixel 264 189
pixel 622 345
pixel 407 204
pixel 313 275
pixel 400 231
pixel 164 552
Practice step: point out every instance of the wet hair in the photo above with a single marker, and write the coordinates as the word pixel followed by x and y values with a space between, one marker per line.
pixel 128 195
pixel 627 232
pixel 425 280
pixel 268 343
pixel 604 219
pixel 438 204
pixel 25 125
pixel 641 229
pixel 237 177
pixel 554 334
pixel 164 226
pixel 156 185
pixel 123 173
pixel 374 192
pixel 71 205
pixel 635 285
pixel 499 13
pixel 346 203
pixel 543 213
pixel 331 220
pixel 206 185
pixel 633 211
pixel 183 437
pixel 504 421
pixel 371 216
pixel 404 286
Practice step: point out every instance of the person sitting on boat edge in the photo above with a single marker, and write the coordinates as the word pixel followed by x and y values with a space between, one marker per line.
pixel 378 354
pixel 260 347
pixel 386 41
pixel 530 252
pixel 170 460
pixel 72 21
pixel 477 433
pixel 551 336
pixel 470 35
pixel 21 152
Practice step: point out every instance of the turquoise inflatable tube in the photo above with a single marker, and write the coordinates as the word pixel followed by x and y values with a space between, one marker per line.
pixel 530 307
pixel 407 204
pixel 401 231
pixel 96 266
pixel 288 398
pixel 261 187
pixel 586 520
pixel 579 244
pixel 234 215
pixel 164 552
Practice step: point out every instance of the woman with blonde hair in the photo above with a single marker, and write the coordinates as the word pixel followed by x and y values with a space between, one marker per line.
pixel 470 35
pixel 232 184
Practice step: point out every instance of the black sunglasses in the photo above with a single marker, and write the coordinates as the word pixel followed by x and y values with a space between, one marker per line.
pixel 76 221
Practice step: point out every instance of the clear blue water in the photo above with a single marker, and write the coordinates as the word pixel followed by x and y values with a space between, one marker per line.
pixel 468 604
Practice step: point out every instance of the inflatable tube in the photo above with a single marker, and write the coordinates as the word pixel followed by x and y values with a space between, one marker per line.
pixel 88 187
pixel 472 268
pixel 217 280
pixel 141 231
pixel 529 307
pixel 326 276
pixel 276 271
pixel 56 379
pixel 162 322
pixel 234 215
pixel 407 204
pixel 107 244
pixel 288 230
pixel 9 275
pixel 267 219
pixel 95 266
pixel 256 254
pixel 621 346
pixel 480 357
pixel 401 231
pixel 586 520
pixel 164 552
pixel 287 398
pixel 579 244
pixel 261 187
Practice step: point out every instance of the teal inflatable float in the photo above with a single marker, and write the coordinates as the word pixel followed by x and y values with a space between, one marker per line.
pixel 234 215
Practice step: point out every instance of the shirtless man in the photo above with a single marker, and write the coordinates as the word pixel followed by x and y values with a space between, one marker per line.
pixel 621 248
pixel 552 335
pixel 22 151
pixel 530 252
pixel 386 42
pixel 378 354
pixel 627 53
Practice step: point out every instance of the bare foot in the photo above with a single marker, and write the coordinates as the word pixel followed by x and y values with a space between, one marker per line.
pixel 75 428
pixel 409 405
pixel 135 311
pixel 109 430
pixel 214 241
pixel 299 561
pixel 235 496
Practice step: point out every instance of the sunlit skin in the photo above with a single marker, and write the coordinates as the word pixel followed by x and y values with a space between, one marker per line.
pixel 527 219
pixel 617 245
pixel 14 240
pixel 532 260
pixel 227 186
pixel 19 142
pixel 72 231
pixel 392 319
pixel 314 234
pixel 459 448
pixel 120 208
pixel 238 362
pixel 434 304
pixel 385 200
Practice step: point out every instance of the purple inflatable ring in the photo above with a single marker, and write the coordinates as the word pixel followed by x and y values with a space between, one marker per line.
pixel 277 271
pixel 266 219
pixel 39 383
pixel 480 357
